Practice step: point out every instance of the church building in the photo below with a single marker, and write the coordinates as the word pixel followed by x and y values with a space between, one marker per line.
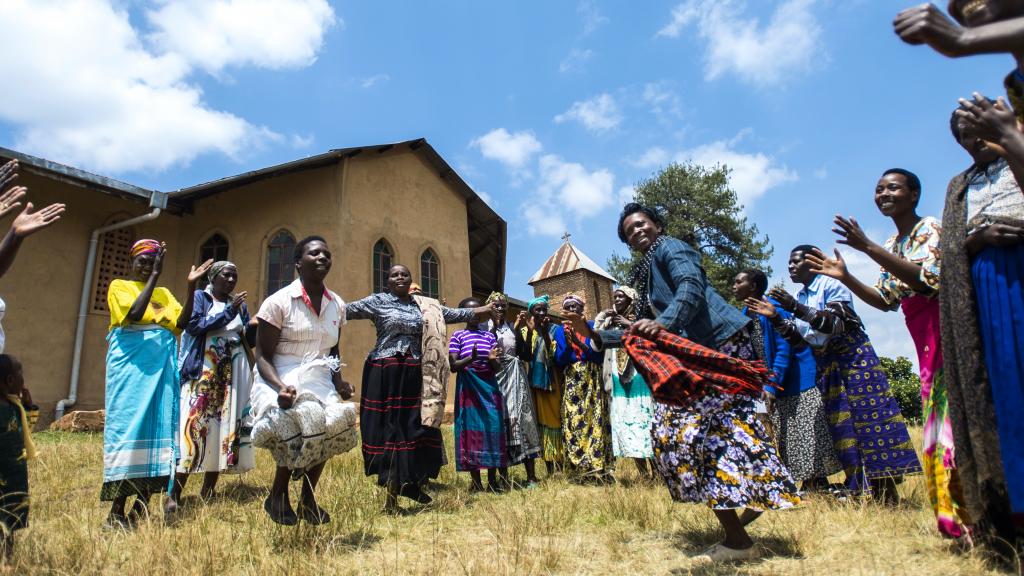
pixel 375 205
pixel 570 270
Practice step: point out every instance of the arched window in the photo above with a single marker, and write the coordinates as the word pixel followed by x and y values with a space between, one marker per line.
pixel 215 248
pixel 112 261
pixel 430 276
pixel 280 261
pixel 382 258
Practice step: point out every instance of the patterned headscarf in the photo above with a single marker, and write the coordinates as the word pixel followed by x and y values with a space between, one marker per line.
pixel 217 268
pixel 633 296
pixel 495 296
pixel 144 246
pixel 542 299
pixel 573 297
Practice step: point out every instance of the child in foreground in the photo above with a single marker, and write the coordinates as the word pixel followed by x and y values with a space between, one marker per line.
pixel 17 416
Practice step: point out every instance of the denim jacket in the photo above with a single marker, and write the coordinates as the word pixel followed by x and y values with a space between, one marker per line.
pixel 194 345
pixel 683 300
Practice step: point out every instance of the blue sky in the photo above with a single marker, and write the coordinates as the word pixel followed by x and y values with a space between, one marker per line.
pixel 551 110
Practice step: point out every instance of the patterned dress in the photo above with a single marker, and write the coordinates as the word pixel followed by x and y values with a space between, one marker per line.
pixel 716 450
pixel 586 429
pixel 868 430
pixel 921 311
pixel 214 428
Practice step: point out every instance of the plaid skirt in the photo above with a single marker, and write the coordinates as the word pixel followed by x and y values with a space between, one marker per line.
pixel 716 450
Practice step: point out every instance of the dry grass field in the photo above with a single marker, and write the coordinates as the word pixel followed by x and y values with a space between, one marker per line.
pixel 560 528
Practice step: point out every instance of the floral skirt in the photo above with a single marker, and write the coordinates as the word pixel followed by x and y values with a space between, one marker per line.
pixel 717 451
pixel 586 432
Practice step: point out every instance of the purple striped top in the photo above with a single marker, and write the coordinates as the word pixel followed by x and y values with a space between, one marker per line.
pixel 462 342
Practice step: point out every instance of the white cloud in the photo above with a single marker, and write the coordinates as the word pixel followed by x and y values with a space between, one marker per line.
pixel 752 174
pixel 215 34
pixel 592 17
pixel 763 54
pixel 566 191
pixel 626 195
pixel 662 101
pixel 651 158
pixel 371 81
pixel 512 149
pixel 821 173
pixel 598 114
pixel 575 61
pixel 85 89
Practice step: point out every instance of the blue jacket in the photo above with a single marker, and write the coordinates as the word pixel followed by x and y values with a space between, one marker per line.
pixel 684 300
pixel 797 369
pixel 193 342
pixel 564 354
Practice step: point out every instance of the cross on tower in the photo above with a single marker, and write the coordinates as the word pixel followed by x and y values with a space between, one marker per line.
pixel 565 237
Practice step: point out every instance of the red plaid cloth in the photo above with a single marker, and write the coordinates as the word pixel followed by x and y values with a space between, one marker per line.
pixel 680 372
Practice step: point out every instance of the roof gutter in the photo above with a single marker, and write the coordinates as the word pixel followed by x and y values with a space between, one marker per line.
pixel 158 202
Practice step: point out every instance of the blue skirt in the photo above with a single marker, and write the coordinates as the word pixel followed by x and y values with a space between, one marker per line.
pixel 997 272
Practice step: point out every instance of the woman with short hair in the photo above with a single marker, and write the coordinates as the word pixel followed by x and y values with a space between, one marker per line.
pixel 405 380
pixel 299 397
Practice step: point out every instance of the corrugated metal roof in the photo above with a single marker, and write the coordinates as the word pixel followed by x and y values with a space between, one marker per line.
pixel 567 258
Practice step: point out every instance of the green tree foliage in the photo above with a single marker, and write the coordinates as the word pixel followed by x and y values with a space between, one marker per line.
pixel 699 207
pixel 905 386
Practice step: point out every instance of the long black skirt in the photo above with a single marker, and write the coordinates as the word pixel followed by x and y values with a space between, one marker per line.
pixel 395 442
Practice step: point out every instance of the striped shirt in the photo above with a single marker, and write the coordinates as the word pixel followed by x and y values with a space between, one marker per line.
pixel 303 331
pixel 462 343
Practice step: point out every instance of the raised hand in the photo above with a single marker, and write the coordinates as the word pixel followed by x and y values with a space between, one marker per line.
pixel 11 199
pixel 158 261
pixel 833 267
pixel 29 222
pixel 238 300
pixel 851 233
pixel 991 122
pixel 493 353
pixel 761 306
pixel 196 272
pixel 522 319
pixel 8 173
pixel 927 24
pixel 785 299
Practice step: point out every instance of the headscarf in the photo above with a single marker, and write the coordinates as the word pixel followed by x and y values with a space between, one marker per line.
pixel 573 297
pixel 542 299
pixel 217 268
pixel 144 246
pixel 495 296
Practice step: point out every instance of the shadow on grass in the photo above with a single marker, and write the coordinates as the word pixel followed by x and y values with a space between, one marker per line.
pixel 695 540
pixel 243 493
pixel 304 538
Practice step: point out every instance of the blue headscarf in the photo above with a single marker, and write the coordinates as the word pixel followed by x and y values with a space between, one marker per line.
pixel 542 299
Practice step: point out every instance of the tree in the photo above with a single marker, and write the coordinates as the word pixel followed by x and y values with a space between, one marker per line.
pixel 905 386
pixel 700 208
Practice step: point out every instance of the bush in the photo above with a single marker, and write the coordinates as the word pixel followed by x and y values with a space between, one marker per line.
pixel 905 385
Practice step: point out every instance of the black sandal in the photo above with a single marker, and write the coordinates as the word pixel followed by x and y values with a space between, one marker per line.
pixel 413 492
